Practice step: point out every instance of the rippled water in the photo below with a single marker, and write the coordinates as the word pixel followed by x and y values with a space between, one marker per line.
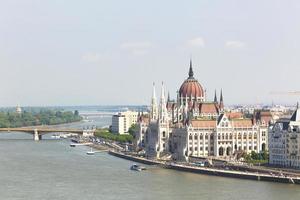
pixel 50 169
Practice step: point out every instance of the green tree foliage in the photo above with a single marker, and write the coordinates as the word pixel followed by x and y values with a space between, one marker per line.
pixel 104 133
pixel 42 117
pixel 132 129
pixel 254 157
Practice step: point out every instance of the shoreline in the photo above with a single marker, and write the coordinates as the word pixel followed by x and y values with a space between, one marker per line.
pixel 234 172
pixel 210 171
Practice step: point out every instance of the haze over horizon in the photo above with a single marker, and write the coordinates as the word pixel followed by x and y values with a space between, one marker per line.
pixel 109 53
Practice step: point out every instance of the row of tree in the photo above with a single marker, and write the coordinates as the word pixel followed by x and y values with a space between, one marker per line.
pixel 104 133
pixel 256 157
pixel 42 117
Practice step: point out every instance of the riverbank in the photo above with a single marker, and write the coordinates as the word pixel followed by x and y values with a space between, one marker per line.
pixel 211 171
pixel 231 171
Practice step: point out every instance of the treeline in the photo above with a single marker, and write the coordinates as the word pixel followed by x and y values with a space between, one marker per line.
pixel 104 133
pixel 42 117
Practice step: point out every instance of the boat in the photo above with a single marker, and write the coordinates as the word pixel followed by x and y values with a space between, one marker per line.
pixel 55 136
pixel 91 152
pixel 136 167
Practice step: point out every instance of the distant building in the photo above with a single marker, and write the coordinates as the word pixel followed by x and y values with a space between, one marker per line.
pixel 284 141
pixel 122 121
pixel 18 109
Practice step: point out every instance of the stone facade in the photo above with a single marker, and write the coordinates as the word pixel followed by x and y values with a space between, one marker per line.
pixel 284 142
pixel 191 126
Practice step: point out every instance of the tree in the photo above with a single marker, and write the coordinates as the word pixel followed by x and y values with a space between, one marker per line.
pixel 132 130
pixel 254 155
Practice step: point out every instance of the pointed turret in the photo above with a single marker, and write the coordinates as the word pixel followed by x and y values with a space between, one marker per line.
pixel 221 106
pixel 191 72
pixel 154 109
pixel 296 115
pixel 163 113
pixel 215 98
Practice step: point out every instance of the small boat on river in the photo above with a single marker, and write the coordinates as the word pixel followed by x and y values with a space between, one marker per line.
pixel 91 152
pixel 136 167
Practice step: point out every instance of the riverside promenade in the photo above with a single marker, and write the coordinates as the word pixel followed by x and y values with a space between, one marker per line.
pixel 211 171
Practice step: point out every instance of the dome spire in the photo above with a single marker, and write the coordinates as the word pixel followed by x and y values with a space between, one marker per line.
pixel 191 73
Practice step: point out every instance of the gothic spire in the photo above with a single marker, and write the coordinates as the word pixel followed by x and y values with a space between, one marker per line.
pixel 191 73
pixel 163 114
pixel 153 92
pixel 221 106
pixel 154 108
pixel 215 99
pixel 221 96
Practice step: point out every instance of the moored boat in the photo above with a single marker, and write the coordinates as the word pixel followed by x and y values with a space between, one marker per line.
pixel 91 152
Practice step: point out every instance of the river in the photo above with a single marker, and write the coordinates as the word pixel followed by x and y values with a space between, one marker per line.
pixel 50 169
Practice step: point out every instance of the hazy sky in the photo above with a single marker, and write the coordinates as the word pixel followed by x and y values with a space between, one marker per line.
pixel 76 52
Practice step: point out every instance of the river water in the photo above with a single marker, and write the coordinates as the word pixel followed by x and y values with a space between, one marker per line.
pixel 50 169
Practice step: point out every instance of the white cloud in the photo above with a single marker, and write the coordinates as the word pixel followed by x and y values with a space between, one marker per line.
pixel 92 57
pixel 137 48
pixel 196 42
pixel 234 44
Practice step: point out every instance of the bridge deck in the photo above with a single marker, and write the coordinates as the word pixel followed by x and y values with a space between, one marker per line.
pixel 42 130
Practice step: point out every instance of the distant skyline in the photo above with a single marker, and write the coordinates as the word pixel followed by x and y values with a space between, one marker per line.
pixel 110 52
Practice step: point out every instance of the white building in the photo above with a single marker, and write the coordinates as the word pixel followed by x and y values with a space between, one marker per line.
pixel 224 137
pixel 284 142
pixel 18 109
pixel 122 121
pixel 195 127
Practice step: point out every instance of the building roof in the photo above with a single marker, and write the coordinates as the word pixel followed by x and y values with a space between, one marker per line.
pixel 204 123
pixel 240 123
pixel 209 108
pixel 296 115
pixel 234 115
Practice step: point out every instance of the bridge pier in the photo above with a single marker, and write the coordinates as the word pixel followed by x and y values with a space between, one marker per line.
pixel 36 136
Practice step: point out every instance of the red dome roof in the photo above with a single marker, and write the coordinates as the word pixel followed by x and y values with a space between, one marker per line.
pixel 191 87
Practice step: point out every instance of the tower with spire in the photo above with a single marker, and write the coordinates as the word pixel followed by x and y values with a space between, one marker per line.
pixel 163 124
pixel 153 108
pixel 221 105
pixel 215 98
pixel 163 113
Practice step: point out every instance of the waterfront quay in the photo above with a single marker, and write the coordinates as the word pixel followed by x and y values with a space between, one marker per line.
pixel 230 171
pixel 188 167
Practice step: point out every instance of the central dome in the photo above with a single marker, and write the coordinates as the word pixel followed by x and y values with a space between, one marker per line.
pixel 191 87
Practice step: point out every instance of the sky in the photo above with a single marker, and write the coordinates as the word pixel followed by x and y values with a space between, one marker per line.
pixel 96 52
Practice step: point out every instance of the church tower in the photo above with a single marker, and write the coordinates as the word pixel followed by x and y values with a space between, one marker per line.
pixel 163 124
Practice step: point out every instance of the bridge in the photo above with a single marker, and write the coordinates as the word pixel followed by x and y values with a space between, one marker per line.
pixel 37 132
